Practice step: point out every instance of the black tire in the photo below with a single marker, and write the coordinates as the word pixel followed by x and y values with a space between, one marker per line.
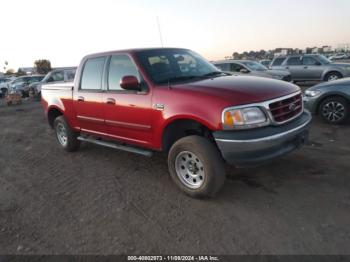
pixel 334 110
pixel 72 142
pixel 331 76
pixel 210 160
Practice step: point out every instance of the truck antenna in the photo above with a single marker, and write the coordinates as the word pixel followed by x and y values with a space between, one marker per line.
pixel 160 32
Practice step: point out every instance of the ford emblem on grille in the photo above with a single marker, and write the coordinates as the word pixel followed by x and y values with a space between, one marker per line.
pixel 292 107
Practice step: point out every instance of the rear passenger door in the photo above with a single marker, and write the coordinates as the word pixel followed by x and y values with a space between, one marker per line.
pixel 312 68
pixel 87 97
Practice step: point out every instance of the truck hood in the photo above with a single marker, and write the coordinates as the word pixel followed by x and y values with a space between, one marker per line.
pixel 238 90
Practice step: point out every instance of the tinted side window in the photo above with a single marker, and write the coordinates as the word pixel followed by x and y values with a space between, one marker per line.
pixel 309 61
pixel 236 67
pixel 294 61
pixel 278 61
pixel 57 77
pixel 70 74
pixel 223 67
pixel 120 66
pixel 92 74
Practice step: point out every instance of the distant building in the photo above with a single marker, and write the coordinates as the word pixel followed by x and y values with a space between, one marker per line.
pixel 315 50
pixel 283 51
pixel 326 49
pixel 343 48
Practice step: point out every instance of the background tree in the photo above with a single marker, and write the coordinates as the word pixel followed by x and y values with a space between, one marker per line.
pixel 235 55
pixel 10 72
pixel 42 66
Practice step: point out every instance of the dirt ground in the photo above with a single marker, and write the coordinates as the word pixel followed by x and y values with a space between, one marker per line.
pixel 101 201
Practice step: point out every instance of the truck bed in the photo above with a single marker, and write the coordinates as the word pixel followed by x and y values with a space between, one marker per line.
pixel 59 95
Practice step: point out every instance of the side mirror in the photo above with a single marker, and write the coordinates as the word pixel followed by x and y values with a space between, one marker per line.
pixel 130 83
pixel 244 71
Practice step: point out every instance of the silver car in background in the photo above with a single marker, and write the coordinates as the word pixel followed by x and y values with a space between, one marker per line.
pixel 251 68
pixel 330 100
pixel 311 67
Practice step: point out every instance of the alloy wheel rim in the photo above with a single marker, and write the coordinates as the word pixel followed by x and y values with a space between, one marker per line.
pixel 61 133
pixel 190 170
pixel 332 77
pixel 333 111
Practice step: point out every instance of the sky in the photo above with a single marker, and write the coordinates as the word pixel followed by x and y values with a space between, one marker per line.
pixel 64 31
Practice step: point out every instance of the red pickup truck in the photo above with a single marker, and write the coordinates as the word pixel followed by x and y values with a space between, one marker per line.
pixel 173 100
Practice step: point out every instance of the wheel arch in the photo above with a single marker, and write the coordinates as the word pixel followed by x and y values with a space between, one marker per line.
pixel 177 128
pixel 52 113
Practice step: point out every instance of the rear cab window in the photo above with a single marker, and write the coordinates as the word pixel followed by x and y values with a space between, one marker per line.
pixel 91 78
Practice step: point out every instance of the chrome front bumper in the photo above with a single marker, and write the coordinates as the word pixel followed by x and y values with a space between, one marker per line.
pixel 256 146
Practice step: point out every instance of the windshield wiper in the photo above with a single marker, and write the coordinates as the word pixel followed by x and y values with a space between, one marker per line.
pixel 178 79
pixel 215 73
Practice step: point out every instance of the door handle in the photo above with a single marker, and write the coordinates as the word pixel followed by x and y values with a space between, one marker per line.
pixel 110 101
pixel 81 99
pixel 287 67
pixel 305 67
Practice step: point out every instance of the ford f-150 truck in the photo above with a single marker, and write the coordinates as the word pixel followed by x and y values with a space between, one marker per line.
pixel 173 100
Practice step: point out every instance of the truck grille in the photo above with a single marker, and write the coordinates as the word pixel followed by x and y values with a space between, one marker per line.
pixel 286 109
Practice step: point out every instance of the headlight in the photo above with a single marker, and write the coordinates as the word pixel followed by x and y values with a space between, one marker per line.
pixel 312 93
pixel 243 118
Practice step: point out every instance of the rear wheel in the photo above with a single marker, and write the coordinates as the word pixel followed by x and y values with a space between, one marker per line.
pixel 196 166
pixel 334 110
pixel 67 138
pixel 332 76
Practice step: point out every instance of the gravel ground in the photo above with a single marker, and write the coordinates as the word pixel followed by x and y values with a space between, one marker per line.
pixel 101 201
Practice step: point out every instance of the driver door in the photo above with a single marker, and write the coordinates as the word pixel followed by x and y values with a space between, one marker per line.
pixel 127 113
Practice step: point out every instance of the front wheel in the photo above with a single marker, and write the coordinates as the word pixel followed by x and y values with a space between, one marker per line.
pixel 67 138
pixel 196 166
pixel 334 110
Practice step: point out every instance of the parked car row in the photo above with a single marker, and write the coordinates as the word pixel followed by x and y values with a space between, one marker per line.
pixel 251 68
pixel 311 67
pixel 339 56
pixel 25 84
pixel 289 68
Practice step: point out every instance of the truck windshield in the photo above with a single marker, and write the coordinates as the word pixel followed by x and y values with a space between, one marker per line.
pixel 175 65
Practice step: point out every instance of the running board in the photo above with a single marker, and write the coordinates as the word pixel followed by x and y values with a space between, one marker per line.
pixel 116 146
